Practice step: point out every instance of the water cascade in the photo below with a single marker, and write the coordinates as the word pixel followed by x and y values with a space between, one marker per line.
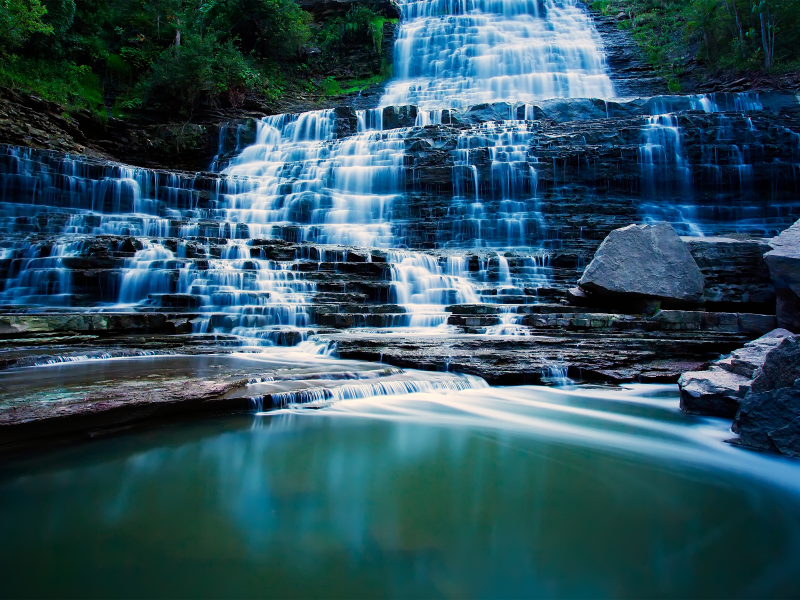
pixel 460 53
pixel 485 176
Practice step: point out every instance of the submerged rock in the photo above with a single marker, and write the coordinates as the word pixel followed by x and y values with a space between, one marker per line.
pixel 644 261
pixel 720 390
pixel 784 267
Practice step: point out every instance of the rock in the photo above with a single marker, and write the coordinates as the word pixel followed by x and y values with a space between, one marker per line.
pixel 395 117
pixel 756 324
pixel 482 113
pixel 735 274
pixel 787 438
pixel 781 367
pixel 715 392
pixel 784 267
pixel 719 390
pixel 644 261
pixel 748 360
pixel 769 421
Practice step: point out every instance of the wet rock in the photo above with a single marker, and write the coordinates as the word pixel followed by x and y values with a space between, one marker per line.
pixel 584 354
pixel 784 267
pixel 748 360
pixel 719 390
pixel 781 367
pixel 644 261
pixel 395 117
pixel 482 113
pixel 735 275
pixel 346 123
pixel 770 420
pixel 714 392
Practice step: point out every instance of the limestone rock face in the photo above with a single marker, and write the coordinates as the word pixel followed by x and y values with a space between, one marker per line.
pixel 720 390
pixel 784 267
pixel 644 261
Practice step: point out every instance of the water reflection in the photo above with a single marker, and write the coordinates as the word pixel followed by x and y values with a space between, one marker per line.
pixel 520 492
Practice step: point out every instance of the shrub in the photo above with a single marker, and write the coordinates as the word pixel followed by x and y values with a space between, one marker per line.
pixel 201 69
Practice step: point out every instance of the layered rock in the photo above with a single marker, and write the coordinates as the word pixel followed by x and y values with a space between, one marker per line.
pixel 735 274
pixel 719 391
pixel 784 267
pixel 769 417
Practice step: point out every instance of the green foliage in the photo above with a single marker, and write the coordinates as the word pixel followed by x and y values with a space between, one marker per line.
pixel 722 34
pixel 63 82
pixel 19 20
pixel 60 15
pixel 331 87
pixel 201 68
pixel 265 28
pixel 363 20
pixel 179 54
pixel 360 22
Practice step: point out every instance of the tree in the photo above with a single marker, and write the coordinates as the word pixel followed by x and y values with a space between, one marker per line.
pixel 19 20
pixel 770 15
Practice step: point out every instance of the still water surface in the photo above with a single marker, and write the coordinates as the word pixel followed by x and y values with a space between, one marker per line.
pixel 502 492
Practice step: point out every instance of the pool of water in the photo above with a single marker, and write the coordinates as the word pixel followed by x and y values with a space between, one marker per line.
pixel 485 493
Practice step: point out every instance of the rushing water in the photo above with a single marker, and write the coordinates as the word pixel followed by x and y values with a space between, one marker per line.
pixel 452 53
pixel 515 492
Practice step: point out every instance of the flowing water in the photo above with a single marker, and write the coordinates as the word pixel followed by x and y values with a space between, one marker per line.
pixel 399 483
pixel 504 492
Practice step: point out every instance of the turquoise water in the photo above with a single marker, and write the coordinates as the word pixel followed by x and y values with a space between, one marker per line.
pixel 501 492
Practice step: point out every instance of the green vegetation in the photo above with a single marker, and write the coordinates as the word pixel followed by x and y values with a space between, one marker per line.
pixel 740 35
pixel 358 24
pixel 177 54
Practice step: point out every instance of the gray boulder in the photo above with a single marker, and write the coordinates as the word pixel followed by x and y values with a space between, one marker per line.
pixel 644 261
pixel 720 390
pixel 784 268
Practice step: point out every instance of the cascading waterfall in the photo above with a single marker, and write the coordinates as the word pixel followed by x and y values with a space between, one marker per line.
pixel 458 53
pixel 195 243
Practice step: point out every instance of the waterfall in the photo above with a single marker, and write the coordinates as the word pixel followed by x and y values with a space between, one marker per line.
pixel 452 53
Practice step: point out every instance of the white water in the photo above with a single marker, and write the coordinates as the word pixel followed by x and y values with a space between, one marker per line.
pixel 452 53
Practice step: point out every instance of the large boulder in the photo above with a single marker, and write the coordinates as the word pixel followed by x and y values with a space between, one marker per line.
pixel 769 417
pixel 784 268
pixel 644 261
pixel 720 390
